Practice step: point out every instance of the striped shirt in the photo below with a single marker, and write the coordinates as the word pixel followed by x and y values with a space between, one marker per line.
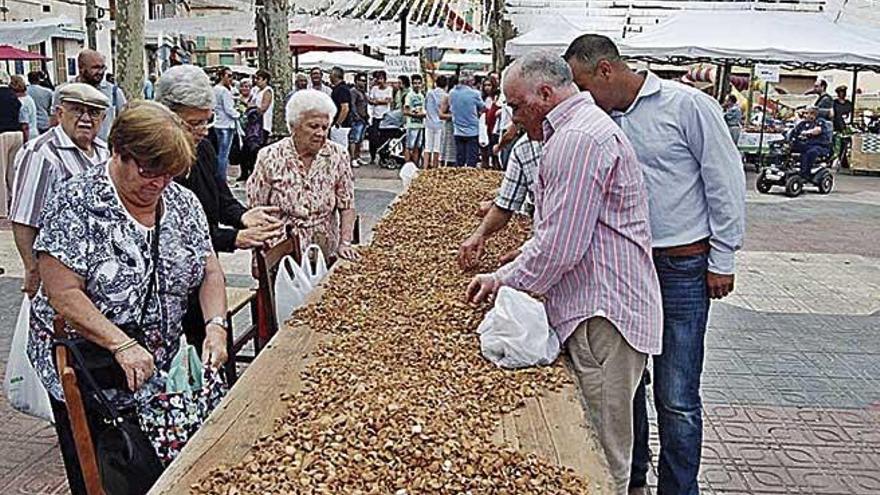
pixel 519 177
pixel 41 165
pixel 590 253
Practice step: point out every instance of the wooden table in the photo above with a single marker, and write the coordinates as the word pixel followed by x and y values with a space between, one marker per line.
pixel 554 426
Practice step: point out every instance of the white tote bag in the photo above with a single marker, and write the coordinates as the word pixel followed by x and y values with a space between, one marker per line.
pixel 292 287
pixel 516 334
pixel 24 389
pixel 317 272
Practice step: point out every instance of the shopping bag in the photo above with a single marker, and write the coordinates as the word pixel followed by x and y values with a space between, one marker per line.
pixel 186 395
pixel 292 287
pixel 339 135
pixel 313 264
pixel 24 389
pixel 516 334
pixel 408 172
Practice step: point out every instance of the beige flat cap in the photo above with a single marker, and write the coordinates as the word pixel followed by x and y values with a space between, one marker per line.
pixel 84 94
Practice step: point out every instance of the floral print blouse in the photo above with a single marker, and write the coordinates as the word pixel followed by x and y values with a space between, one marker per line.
pixel 309 198
pixel 86 228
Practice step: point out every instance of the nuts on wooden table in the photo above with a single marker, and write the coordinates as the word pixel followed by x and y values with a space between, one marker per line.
pixel 397 399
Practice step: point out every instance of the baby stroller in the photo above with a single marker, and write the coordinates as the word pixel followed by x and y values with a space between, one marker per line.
pixel 392 136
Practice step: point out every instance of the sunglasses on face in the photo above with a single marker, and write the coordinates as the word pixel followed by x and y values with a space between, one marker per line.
pixel 147 173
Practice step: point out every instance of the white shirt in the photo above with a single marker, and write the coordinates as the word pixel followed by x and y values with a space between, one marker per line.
pixel 267 116
pixel 376 93
pixel 225 113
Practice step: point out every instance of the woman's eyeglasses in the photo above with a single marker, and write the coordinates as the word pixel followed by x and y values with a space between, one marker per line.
pixel 200 124
pixel 147 173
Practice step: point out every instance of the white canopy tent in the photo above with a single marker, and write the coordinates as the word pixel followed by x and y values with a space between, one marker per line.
pixel 812 41
pixel 349 61
pixel 453 58
pixel 33 32
pixel 553 36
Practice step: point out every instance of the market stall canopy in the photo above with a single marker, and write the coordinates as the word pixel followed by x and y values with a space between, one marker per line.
pixel 31 33
pixel 553 36
pixel 797 40
pixel 452 58
pixel 11 53
pixel 349 61
pixel 301 42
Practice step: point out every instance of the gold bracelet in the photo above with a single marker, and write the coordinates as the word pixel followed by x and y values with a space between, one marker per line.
pixel 128 344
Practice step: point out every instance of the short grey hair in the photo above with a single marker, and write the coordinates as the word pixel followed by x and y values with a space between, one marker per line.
pixel 589 49
pixel 305 101
pixel 185 86
pixel 543 67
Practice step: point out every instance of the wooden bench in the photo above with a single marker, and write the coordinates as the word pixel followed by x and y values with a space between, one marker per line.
pixel 554 426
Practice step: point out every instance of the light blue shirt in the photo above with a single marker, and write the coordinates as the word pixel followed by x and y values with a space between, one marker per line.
pixel 28 115
pixel 693 172
pixel 432 108
pixel 225 113
pixel 465 104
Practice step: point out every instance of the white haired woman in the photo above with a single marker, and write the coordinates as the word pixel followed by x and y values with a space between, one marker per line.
pixel 309 178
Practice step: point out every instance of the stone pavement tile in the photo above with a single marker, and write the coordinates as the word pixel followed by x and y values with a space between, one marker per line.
pixel 819 482
pixel 862 482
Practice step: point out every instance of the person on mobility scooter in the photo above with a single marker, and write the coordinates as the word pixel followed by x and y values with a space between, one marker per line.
pixel 810 146
pixel 812 139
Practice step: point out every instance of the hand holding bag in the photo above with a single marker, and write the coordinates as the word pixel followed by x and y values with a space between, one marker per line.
pixel 173 415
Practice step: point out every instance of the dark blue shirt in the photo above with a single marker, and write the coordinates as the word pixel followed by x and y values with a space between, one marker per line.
pixel 806 125
pixel 10 107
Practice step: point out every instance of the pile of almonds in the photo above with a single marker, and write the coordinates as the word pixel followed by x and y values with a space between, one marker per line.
pixel 398 399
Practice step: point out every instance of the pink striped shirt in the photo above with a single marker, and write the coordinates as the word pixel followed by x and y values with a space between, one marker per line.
pixel 590 253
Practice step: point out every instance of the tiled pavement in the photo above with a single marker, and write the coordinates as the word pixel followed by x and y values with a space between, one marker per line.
pixel 792 382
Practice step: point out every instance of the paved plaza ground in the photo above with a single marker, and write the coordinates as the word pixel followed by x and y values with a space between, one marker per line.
pixel 792 374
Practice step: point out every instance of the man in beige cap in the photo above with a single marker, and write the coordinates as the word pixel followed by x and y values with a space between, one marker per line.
pixel 92 71
pixel 64 151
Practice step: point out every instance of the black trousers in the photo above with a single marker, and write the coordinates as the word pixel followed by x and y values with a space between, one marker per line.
pixel 68 446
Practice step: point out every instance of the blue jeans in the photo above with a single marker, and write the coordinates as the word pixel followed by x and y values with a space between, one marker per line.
pixel 467 151
pixel 224 144
pixel 676 379
pixel 809 153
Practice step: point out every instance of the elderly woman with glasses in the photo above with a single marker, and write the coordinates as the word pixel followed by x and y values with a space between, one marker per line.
pixel 187 91
pixel 309 177
pixel 120 250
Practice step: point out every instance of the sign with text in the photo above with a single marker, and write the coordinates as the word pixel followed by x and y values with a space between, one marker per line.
pixel 767 73
pixel 402 65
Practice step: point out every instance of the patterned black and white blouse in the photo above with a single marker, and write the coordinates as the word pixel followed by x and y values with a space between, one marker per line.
pixel 86 228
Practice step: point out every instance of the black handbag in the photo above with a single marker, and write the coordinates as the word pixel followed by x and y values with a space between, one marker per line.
pixel 127 461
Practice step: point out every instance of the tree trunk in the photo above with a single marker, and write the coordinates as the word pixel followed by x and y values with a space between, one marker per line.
pixel 130 47
pixel 279 63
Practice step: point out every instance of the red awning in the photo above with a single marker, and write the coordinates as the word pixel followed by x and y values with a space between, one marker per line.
pixel 8 52
pixel 301 42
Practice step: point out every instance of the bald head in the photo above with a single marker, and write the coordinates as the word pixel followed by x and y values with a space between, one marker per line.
pixel 92 67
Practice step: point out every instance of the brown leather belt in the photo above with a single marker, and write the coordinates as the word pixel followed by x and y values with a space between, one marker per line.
pixel 692 249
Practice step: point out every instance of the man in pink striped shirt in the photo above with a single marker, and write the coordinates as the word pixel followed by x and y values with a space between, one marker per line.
pixel 590 253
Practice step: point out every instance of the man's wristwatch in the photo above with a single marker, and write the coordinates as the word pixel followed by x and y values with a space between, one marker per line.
pixel 219 321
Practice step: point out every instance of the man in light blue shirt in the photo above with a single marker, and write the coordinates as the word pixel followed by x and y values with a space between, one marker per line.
pixel 225 119
pixel 696 193
pixel 42 100
pixel 466 104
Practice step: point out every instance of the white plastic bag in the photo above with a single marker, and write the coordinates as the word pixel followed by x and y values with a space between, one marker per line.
pixel 515 333
pixel 317 272
pixel 292 287
pixel 24 389
pixel 339 135
pixel 408 172
pixel 483 131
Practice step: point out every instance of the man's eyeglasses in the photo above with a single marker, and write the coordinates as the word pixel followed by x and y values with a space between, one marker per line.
pixel 80 110
pixel 196 125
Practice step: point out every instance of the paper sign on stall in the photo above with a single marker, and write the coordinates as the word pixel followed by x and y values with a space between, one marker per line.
pixel 402 65
pixel 767 73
